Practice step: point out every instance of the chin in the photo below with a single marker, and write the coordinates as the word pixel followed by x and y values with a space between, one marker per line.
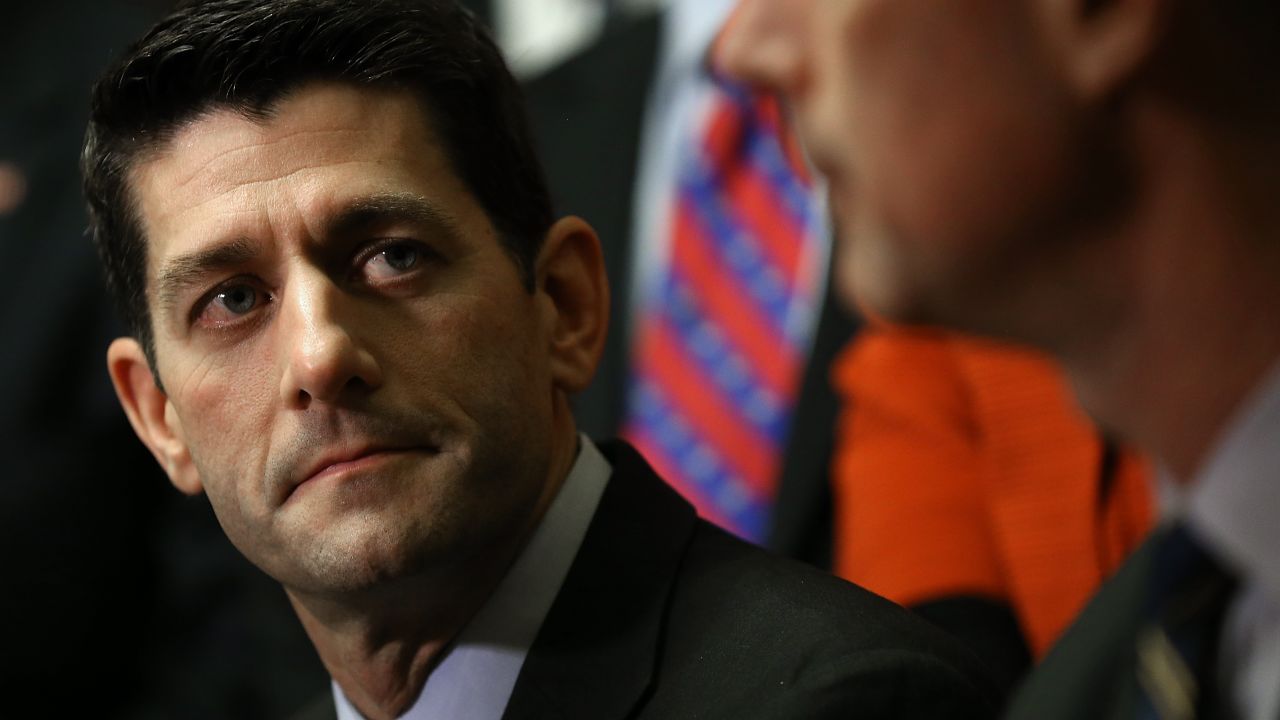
pixel 865 277
pixel 873 288
pixel 885 277
pixel 356 553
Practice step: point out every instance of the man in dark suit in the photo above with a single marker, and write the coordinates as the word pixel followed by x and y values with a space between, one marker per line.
pixel 356 327
pixel 1096 178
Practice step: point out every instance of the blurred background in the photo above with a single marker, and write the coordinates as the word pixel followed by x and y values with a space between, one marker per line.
pixel 775 411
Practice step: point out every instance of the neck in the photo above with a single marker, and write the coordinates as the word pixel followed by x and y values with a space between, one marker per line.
pixel 381 644
pixel 380 650
pixel 1196 330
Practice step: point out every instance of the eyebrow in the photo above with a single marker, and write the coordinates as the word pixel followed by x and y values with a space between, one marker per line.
pixel 371 211
pixel 184 271
pixel 360 215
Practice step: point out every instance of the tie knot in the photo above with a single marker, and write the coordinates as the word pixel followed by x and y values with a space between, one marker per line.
pixel 1187 581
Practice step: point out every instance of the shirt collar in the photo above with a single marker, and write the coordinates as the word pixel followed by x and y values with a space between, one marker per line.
pixel 1233 501
pixel 691 26
pixel 479 671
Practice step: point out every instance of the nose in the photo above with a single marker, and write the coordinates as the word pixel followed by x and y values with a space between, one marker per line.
pixel 324 360
pixel 763 44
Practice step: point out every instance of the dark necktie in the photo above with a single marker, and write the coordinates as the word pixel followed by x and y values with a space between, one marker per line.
pixel 1176 652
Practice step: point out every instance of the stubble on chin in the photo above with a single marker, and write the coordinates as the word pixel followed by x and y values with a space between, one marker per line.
pixel 870 276
pixel 327 546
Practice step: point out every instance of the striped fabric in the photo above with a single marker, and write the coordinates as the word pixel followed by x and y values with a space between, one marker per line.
pixel 723 333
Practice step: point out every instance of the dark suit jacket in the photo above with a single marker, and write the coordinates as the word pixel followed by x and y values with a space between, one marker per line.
pixel 663 615
pixel 666 616
pixel 587 116
pixel 1089 673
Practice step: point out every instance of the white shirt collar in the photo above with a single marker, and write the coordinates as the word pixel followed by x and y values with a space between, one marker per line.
pixel 691 25
pixel 1234 500
pixel 475 679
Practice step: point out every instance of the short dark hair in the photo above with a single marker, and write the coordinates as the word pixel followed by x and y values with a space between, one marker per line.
pixel 247 54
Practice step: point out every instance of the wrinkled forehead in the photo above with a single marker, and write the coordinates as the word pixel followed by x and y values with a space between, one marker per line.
pixel 314 148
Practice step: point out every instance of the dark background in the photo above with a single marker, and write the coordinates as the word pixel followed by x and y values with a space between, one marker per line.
pixel 121 597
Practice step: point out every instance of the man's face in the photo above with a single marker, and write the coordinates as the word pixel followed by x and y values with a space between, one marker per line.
pixel 353 369
pixel 940 130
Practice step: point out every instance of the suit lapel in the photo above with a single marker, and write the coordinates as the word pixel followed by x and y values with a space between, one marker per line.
pixel 595 654
pixel 1089 672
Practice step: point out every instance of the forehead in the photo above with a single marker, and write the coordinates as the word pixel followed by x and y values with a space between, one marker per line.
pixel 226 175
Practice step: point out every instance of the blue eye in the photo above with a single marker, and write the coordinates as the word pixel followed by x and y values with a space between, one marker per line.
pixel 230 303
pixel 392 261
pixel 237 299
pixel 401 257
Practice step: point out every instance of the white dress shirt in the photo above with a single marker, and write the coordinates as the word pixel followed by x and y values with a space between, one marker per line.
pixel 1233 506
pixel 475 679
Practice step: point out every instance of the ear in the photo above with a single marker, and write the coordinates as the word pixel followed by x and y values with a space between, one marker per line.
pixel 151 413
pixel 570 274
pixel 1101 44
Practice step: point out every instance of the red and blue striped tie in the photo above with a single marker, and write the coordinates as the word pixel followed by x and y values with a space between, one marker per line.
pixel 723 332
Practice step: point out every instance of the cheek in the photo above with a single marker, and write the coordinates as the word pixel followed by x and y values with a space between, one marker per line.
pixel 225 409
pixel 878 60
pixel 954 120
pixel 473 348
pixel 880 100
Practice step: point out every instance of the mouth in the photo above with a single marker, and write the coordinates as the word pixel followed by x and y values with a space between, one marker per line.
pixel 339 466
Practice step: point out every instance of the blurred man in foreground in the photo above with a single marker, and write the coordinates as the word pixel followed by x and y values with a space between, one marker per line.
pixel 356 327
pixel 1097 179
